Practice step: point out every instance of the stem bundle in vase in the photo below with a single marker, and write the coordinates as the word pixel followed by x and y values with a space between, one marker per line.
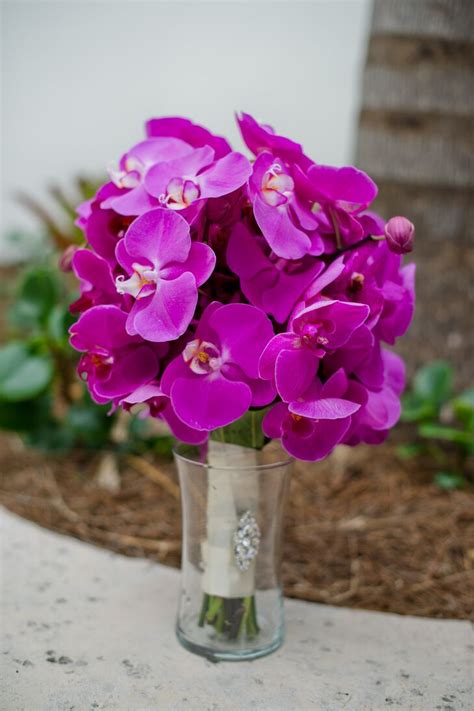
pixel 219 289
pixel 229 589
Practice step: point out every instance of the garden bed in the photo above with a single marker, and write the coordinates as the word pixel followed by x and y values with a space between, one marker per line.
pixel 363 529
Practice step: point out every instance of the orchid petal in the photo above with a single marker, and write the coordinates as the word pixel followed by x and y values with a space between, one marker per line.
pixel 166 314
pixel 294 371
pixel 285 239
pixel 211 402
pixel 225 175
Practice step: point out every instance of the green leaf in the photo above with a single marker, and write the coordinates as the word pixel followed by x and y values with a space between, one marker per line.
pixel 463 407
pixel 246 431
pixel 51 437
pixel 163 446
pixel 11 356
pixel 449 434
pixel 38 293
pixel 433 383
pixel 23 416
pixel 23 376
pixel 59 321
pixel 89 424
pixel 449 480
pixel 408 451
pixel 415 409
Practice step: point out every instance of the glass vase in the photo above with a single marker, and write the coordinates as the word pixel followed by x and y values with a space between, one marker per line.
pixel 233 499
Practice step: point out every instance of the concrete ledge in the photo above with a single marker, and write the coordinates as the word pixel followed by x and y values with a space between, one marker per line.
pixel 85 629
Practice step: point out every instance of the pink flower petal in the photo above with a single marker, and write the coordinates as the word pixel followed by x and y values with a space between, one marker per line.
pixel 282 341
pixel 166 315
pixel 273 420
pixel 211 402
pixel 225 176
pixel 285 239
pixel 160 236
pixel 132 370
pixel 330 408
pixel 244 331
pixel 294 372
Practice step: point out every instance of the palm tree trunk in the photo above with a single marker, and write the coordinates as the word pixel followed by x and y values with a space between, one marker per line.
pixel 416 140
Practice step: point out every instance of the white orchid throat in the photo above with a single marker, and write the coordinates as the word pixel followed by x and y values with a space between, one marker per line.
pixel 137 285
pixel 202 356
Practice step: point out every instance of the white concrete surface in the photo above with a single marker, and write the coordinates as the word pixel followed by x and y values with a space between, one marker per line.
pixel 85 629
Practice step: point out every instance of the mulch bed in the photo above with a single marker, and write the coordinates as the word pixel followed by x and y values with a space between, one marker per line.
pixel 363 529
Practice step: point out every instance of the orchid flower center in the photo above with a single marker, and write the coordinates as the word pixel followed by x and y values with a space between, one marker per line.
pixel 119 224
pixel 301 426
pixel 277 186
pixel 279 263
pixel 156 406
pixel 202 357
pixel 180 193
pixel 311 336
pixel 142 282
pixel 128 177
pixel 97 363
pixel 357 282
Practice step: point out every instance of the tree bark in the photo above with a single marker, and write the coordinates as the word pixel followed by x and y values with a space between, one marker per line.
pixel 416 140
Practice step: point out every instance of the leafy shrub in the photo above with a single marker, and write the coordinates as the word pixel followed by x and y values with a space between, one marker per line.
pixel 40 395
pixel 445 422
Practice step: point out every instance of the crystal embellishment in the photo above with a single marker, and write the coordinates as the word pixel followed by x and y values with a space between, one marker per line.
pixel 246 541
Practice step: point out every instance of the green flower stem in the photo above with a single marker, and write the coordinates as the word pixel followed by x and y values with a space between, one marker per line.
pixel 232 618
pixel 204 607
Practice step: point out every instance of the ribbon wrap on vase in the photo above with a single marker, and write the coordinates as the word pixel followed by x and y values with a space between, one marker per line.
pixel 232 491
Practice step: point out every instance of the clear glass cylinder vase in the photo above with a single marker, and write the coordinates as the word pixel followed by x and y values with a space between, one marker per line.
pixel 233 500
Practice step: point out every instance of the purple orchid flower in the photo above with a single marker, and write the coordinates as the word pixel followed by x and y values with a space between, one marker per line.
pixel 260 137
pixel 83 212
pixel 387 288
pixel 180 182
pixel 269 282
pixel 310 429
pixel 287 222
pixel 96 282
pixel 370 275
pixel 382 409
pixel 346 187
pixel 291 359
pixel 159 406
pixel 103 227
pixel 398 287
pixel 215 379
pixel 115 363
pixel 187 131
pixel 342 194
pixel 360 356
pixel 339 228
pixel 314 292
pixel 129 175
pixel 165 270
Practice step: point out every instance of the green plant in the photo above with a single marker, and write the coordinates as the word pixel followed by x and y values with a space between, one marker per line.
pixel 40 395
pixel 444 421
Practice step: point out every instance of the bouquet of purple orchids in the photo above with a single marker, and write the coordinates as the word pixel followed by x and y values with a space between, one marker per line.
pixel 214 285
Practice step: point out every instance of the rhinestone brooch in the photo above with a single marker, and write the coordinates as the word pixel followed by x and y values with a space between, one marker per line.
pixel 246 541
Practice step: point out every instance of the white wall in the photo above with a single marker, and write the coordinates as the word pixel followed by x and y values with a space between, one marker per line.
pixel 79 78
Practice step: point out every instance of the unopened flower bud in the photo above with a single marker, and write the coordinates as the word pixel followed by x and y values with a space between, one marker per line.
pixel 399 233
pixel 65 261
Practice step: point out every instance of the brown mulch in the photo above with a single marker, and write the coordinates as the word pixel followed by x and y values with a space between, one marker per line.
pixel 363 529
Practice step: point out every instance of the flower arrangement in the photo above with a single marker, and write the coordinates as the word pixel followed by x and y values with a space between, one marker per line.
pixel 218 289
